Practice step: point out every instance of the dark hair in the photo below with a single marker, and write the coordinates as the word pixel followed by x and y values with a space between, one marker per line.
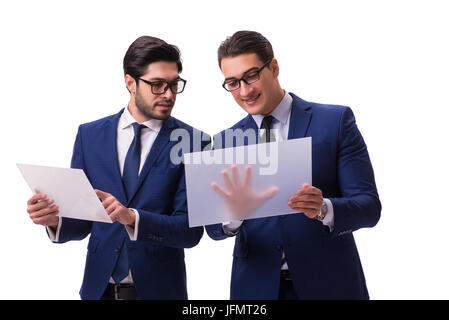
pixel 243 42
pixel 145 50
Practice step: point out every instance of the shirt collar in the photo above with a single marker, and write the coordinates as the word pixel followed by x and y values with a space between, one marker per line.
pixel 127 120
pixel 280 113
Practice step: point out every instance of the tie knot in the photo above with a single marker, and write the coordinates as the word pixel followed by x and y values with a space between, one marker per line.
pixel 137 127
pixel 266 122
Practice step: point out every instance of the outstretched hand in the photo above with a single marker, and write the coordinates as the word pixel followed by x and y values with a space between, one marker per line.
pixel 239 196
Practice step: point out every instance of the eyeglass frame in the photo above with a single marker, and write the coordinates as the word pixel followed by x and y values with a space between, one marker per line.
pixel 168 84
pixel 258 70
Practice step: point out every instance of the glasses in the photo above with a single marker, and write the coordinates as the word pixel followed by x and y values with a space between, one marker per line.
pixel 159 87
pixel 250 76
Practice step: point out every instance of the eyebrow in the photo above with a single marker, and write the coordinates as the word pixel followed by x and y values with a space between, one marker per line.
pixel 244 73
pixel 162 79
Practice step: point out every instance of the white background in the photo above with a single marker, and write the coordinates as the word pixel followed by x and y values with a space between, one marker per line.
pixel 61 65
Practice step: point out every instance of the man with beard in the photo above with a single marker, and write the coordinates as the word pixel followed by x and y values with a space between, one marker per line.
pixel 126 157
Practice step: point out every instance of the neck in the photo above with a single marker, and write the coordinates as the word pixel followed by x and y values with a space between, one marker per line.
pixel 279 96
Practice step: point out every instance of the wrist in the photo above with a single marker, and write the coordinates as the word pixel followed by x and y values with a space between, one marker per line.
pixel 132 222
pixel 322 214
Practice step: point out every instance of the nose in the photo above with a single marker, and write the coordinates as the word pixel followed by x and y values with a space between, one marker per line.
pixel 169 95
pixel 245 89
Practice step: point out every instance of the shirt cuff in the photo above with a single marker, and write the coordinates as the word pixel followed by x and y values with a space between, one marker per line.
pixel 133 232
pixel 54 234
pixel 329 218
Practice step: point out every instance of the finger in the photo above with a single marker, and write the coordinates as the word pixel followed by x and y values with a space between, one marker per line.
pixel 307 212
pixel 309 190
pixel 307 198
pixel 235 175
pixel 35 199
pixel 227 180
pixel 102 195
pixel 46 220
pixel 44 212
pixel 270 192
pixel 301 206
pixel 305 208
pixel 109 209
pixel 40 205
pixel 219 190
pixel 114 215
pixel 247 179
pixel 108 201
pixel 306 205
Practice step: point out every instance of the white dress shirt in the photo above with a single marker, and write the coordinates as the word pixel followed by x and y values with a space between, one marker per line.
pixel 125 135
pixel 280 126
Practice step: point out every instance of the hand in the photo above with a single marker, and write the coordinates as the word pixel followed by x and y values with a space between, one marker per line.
pixel 240 199
pixel 43 211
pixel 115 210
pixel 307 200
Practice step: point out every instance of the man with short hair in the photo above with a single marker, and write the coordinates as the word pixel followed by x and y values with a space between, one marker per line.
pixel 126 157
pixel 310 254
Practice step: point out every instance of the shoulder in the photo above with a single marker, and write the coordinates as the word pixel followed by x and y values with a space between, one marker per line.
pixel 319 108
pixel 100 123
pixel 323 112
pixel 175 123
pixel 180 130
pixel 244 123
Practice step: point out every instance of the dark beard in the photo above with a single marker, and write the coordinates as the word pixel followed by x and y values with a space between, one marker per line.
pixel 147 111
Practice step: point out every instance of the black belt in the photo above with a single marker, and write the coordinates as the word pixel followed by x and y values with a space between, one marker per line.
pixel 285 275
pixel 120 292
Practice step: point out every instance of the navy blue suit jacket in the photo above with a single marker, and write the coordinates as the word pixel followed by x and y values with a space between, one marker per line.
pixel 156 259
pixel 323 264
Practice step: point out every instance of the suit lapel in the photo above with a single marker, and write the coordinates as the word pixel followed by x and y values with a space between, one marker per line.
pixel 162 141
pixel 249 123
pixel 299 119
pixel 110 150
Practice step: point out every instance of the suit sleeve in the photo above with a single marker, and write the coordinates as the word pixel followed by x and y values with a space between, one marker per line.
pixel 74 229
pixel 359 205
pixel 216 232
pixel 171 230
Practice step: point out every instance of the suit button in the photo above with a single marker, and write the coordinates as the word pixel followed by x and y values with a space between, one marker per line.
pixel 279 247
pixel 117 249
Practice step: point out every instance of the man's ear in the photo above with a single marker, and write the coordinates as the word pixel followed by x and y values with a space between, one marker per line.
pixel 274 66
pixel 130 84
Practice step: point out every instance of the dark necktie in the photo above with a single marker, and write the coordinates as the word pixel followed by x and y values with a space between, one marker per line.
pixel 130 175
pixel 268 135
pixel 121 269
pixel 132 162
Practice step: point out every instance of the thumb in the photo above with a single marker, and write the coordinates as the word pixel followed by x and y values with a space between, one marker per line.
pixel 270 192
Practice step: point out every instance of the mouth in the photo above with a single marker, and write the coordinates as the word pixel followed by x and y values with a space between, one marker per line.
pixel 251 101
pixel 164 107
